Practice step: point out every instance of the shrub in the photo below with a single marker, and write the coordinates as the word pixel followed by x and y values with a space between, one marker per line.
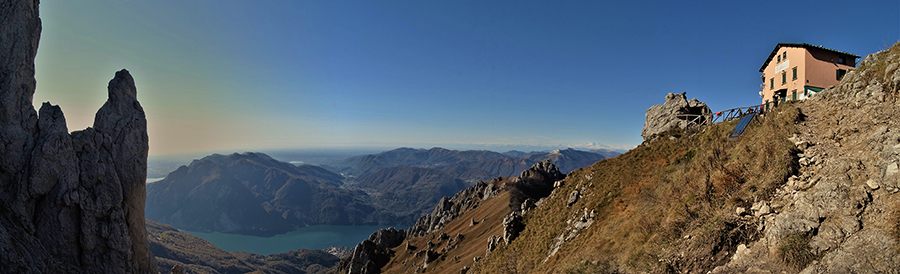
pixel 795 251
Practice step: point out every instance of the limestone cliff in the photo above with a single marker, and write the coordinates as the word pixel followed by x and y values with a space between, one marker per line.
pixel 69 203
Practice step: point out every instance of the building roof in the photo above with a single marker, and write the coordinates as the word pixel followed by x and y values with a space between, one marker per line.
pixel 799 45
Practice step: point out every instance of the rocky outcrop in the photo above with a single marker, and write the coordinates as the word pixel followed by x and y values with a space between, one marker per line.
pixel 576 223
pixel 534 183
pixel 69 203
pixel 512 225
pixel 448 209
pixel 442 248
pixel 373 253
pixel 676 112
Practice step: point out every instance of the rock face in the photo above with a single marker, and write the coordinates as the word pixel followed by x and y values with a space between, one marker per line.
pixel 373 253
pixel 534 183
pixel 512 225
pixel 673 113
pixel 71 203
pixel 450 208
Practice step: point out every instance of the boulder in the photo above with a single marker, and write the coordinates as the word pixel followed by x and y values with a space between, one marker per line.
pixel 527 205
pixel 573 197
pixel 512 226
pixel 493 242
pixel 676 112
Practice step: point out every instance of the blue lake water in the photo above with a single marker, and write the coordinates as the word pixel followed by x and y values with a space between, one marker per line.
pixel 311 237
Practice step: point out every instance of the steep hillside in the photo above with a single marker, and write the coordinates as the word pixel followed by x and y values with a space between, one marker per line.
pixel 460 228
pixel 841 213
pixel 195 255
pixel 810 187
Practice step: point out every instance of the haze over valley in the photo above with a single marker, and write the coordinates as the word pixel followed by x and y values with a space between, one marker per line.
pixel 252 193
pixel 362 137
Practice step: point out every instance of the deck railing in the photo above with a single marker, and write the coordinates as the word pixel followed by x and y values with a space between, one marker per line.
pixel 735 113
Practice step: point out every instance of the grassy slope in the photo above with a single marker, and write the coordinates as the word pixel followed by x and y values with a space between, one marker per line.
pixel 667 205
pixel 489 215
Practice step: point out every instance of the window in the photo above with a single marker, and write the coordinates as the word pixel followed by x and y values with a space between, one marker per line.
pixel 784 55
pixel 783 78
pixel 795 73
pixel 840 73
pixel 841 60
pixel 794 94
pixel 779 58
pixel 771 83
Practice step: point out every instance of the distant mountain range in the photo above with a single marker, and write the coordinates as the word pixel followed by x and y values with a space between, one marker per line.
pixel 470 165
pixel 252 193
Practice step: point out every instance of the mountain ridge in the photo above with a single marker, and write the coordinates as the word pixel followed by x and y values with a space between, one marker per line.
pixel 809 187
pixel 483 165
pixel 252 193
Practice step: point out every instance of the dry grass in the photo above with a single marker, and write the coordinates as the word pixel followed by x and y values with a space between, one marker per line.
pixel 664 206
pixel 894 222
pixel 876 70
pixel 491 211
pixel 795 251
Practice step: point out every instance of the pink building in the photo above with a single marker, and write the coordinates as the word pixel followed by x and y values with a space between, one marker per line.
pixel 797 71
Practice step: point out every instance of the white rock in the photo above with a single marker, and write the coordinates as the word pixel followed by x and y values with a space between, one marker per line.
pixel 891 170
pixel 872 184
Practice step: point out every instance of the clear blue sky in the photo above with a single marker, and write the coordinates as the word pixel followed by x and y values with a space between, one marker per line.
pixel 239 75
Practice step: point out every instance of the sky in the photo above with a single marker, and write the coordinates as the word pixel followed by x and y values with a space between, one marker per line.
pixel 229 75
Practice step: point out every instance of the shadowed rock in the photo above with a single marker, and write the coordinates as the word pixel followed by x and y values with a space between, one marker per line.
pixel 69 203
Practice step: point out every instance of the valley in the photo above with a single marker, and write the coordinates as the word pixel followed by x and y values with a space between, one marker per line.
pixel 806 182
pixel 317 237
pixel 254 194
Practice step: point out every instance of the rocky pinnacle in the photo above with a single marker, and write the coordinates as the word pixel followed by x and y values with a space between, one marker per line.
pixel 69 202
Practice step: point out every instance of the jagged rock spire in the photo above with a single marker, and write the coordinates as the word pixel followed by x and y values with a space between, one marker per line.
pixel 69 203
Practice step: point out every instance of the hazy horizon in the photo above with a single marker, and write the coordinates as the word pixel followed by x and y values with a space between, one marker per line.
pixel 235 75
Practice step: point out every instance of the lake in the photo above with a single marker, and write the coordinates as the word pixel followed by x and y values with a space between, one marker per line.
pixel 311 237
